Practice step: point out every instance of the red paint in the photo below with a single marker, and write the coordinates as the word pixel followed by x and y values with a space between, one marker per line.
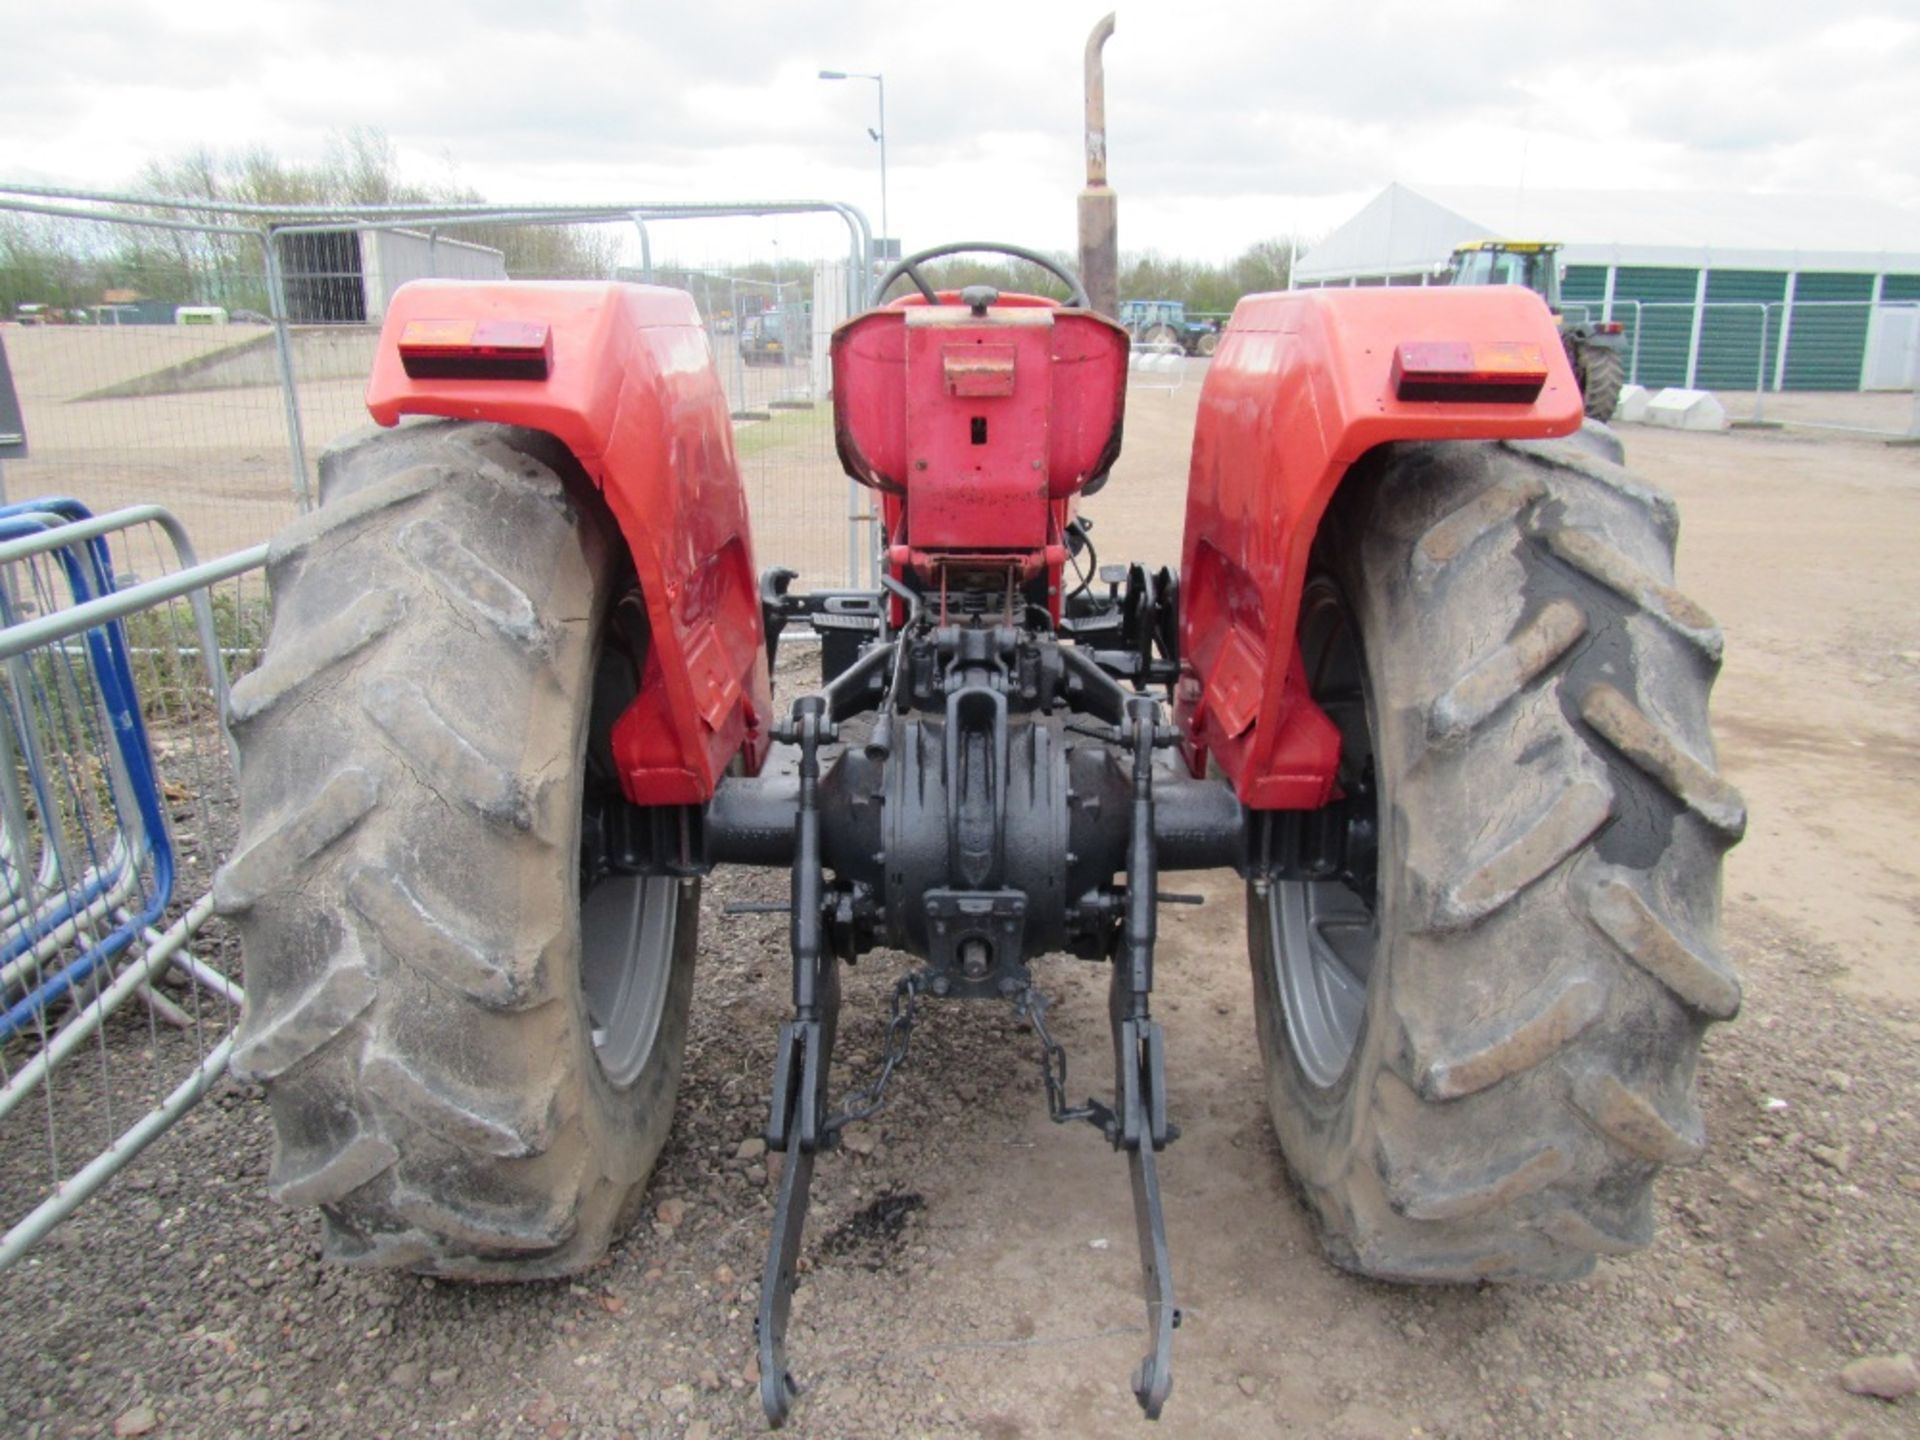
pixel 1299 390
pixel 979 431
pixel 632 392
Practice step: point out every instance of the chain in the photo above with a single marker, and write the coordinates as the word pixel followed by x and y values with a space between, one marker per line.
pixel 1031 1005
pixel 866 1101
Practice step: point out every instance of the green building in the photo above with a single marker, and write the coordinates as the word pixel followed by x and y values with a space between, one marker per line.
pixel 1716 291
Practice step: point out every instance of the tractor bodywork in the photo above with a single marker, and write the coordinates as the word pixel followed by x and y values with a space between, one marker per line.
pixel 940 794
pixel 981 432
pixel 1300 391
pixel 627 384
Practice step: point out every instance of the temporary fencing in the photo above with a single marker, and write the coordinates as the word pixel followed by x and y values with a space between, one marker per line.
pixel 119 989
pixel 221 407
pixel 1819 364
pixel 118 997
pixel 1156 365
pixel 130 407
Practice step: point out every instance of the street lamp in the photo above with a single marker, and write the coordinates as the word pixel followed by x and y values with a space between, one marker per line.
pixel 879 135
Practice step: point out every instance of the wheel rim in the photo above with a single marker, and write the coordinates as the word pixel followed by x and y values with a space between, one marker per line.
pixel 627 929
pixel 628 923
pixel 1324 935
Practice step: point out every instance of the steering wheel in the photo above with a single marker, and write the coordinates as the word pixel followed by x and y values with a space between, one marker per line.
pixel 909 267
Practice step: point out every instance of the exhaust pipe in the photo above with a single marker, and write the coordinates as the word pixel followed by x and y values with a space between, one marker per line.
pixel 1099 206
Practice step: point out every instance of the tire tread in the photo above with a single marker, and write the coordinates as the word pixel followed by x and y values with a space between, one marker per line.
pixel 1528 1068
pixel 402 751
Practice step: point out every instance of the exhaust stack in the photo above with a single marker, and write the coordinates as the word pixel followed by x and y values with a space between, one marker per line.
pixel 1099 206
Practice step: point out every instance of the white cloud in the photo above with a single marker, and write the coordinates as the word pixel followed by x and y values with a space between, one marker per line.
pixel 1228 123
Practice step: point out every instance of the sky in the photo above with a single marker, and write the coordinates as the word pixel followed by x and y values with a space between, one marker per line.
pixel 1228 123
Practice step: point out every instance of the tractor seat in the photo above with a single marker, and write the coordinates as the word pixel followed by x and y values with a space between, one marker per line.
pixel 980 411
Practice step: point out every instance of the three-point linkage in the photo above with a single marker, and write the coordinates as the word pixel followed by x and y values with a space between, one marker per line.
pixel 1139 1125
pixel 1008 798
pixel 974 938
pixel 1137 1120
pixel 797 1126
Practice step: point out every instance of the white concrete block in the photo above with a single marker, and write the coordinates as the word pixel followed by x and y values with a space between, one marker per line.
pixel 1687 410
pixel 1632 409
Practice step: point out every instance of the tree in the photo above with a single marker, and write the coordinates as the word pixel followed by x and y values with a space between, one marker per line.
pixel 360 167
pixel 38 268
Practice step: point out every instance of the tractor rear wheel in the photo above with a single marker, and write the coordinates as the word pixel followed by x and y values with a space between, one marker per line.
pixel 1601 376
pixel 1480 1042
pixel 469 1050
pixel 1165 337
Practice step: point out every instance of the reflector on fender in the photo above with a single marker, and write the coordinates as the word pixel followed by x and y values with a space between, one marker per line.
pixel 477 349
pixel 1487 371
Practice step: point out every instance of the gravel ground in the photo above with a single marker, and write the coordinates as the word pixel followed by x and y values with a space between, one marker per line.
pixel 935 1306
pixel 970 1270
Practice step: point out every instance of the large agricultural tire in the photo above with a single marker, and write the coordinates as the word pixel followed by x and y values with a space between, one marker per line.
pixel 470 1072
pixel 1601 376
pixel 1477 1063
pixel 1207 343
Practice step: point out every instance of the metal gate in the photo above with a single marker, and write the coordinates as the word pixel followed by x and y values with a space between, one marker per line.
pixel 218 399
pixel 117 1002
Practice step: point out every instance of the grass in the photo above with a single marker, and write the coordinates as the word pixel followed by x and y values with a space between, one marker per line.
pixel 808 430
pixel 163 646
pixel 56 685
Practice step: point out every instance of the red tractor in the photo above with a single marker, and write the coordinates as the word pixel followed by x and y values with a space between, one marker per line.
pixel 1422 679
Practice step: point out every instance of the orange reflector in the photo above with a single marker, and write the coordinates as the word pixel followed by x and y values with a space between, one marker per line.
pixel 1496 371
pixel 477 349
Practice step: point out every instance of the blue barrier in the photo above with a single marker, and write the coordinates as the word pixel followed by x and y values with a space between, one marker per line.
pixel 88 568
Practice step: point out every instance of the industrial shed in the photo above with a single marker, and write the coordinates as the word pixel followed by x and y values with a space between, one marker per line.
pixel 346 277
pixel 1719 291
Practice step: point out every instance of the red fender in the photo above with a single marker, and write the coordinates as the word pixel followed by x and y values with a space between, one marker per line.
pixel 631 390
pixel 1300 389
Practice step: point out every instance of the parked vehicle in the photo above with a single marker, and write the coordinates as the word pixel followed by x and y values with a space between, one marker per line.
pixel 1422 680
pixel 33 313
pixel 1165 323
pixel 1595 349
pixel 771 336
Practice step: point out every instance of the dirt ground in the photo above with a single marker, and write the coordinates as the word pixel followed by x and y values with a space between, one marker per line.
pixel 971 1270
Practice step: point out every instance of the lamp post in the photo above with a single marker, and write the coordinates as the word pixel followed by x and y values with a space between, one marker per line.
pixel 880 135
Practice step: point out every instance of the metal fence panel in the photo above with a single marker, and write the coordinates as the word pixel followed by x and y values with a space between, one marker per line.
pixel 1742 341
pixel 123 404
pixel 225 420
pixel 116 804
pixel 214 364
pixel 753 278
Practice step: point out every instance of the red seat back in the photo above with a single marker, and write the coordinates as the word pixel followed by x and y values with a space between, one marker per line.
pixel 981 424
